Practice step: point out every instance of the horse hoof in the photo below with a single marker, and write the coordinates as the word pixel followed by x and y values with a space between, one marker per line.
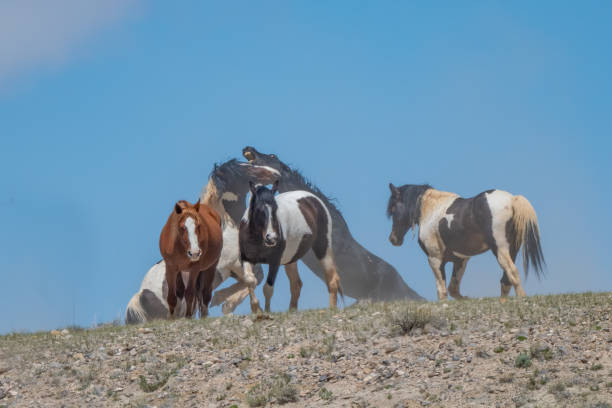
pixel 262 316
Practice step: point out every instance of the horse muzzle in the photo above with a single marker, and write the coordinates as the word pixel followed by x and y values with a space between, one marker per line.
pixel 194 256
pixel 395 241
pixel 270 241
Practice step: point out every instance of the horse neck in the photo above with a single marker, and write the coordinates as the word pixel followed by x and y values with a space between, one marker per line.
pixel 431 200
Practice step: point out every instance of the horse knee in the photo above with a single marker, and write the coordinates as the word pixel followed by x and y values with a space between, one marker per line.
pixel 250 280
pixel 268 290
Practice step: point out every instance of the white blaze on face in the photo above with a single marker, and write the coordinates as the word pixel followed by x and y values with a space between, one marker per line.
pixel 191 234
pixel 270 230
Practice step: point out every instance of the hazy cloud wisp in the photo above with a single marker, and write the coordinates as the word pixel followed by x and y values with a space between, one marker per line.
pixel 41 33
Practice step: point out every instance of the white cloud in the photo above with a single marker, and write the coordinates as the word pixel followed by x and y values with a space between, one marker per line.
pixel 43 33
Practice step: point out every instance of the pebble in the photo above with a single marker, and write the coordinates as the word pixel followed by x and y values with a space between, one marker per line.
pixel 391 349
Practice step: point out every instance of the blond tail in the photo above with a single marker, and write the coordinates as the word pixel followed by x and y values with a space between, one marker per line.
pixel 134 313
pixel 527 234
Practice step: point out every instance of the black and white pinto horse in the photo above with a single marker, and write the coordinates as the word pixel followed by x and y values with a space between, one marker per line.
pixel 453 229
pixel 279 231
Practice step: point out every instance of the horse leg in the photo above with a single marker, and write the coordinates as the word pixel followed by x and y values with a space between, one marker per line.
pixel 437 266
pixel 268 288
pixel 249 279
pixel 331 278
pixel 171 276
pixel 295 283
pixel 207 278
pixel 234 295
pixel 222 295
pixel 234 300
pixel 190 293
pixel 511 273
pixel 505 283
pixel 458 270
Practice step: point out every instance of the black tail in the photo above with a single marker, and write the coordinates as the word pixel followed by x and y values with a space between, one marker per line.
pixel 532 250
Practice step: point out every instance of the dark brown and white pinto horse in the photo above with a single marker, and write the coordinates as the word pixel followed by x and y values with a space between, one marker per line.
pixel 279 231
pixel 453 229
pixel 191 243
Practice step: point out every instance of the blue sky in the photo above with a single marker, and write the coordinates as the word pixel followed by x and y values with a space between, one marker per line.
pixel 109 113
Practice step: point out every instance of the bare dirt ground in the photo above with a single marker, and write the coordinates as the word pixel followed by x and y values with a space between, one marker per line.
pixel 544 351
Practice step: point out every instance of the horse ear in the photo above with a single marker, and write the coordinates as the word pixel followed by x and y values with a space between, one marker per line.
pixel 177 208
pixel 393 189
pixel 275 187
pixel 197 206
pixel 252 187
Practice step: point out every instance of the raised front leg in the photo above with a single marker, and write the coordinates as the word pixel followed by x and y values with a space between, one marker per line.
pixel 249 279
pixel 295 284
pixel 437 267
pixel 458 271
pixel 171 275
pixel 268 288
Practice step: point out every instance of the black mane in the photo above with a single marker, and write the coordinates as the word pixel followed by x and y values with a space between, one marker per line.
pixel 289 175
pixel 223 173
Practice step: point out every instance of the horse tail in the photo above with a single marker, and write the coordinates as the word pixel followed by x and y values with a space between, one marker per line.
pixel 527 234
pixel 134 313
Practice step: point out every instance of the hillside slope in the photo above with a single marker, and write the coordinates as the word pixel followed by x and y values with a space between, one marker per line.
pixel 544 351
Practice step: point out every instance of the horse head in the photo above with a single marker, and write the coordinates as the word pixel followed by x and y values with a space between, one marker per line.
pixel 189 228
pixel 263 222
pixel 270 161
pixel 404 208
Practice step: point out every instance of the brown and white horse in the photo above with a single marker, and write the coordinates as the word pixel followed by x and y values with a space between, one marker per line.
pixel 453 229
pixel 191 243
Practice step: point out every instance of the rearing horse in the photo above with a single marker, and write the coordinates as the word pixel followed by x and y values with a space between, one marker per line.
pixel 191 243
pixel 453 229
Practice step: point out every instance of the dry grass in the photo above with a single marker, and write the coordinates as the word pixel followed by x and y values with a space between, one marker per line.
pixel 115 357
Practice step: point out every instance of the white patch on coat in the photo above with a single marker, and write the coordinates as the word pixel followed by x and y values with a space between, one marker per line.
pixel 193 238
pixel 458 255
pixel 292 223
pixel 229 196
pixel 500 204
pixel 155 281
pixel 230 254
pixel 185 276
pixel 270 230
pixel 270 169
pixel 449 219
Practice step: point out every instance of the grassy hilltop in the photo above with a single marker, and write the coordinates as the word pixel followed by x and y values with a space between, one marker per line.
pixel 544 351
